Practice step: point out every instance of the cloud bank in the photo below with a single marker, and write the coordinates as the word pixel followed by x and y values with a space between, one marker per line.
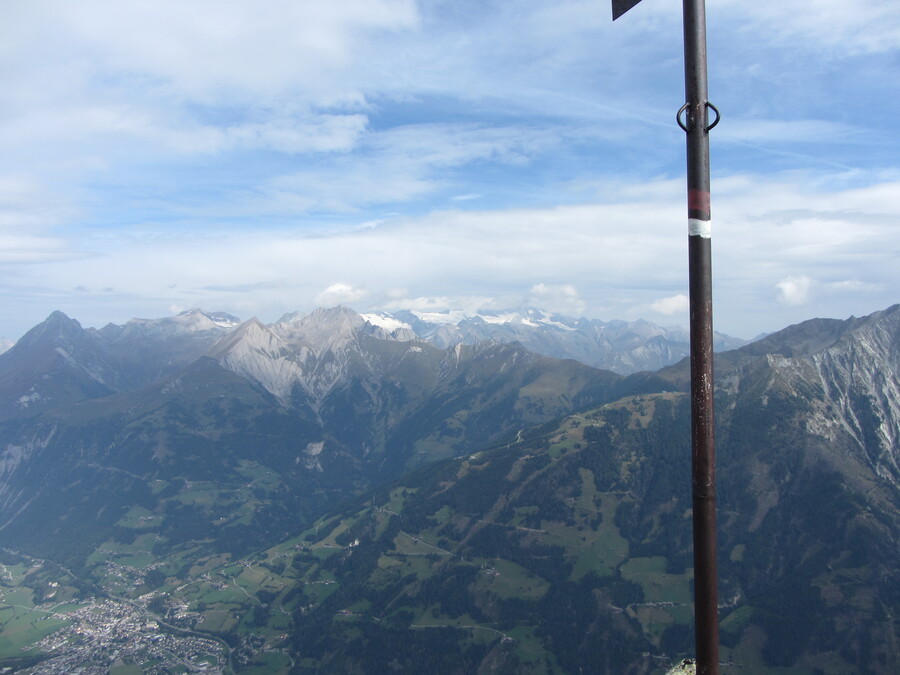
pixel 442 155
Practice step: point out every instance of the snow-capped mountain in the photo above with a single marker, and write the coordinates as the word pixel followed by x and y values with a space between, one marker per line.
pixel 621 346
pixel 147 349
pixel 319 350
pixel 315 352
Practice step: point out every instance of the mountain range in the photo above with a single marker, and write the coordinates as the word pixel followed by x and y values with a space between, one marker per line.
pixel 569 550
pixel 358 493
pixel 330 402
pixel 620 346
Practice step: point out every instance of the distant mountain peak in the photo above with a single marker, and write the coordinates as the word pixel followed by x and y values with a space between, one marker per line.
pixel 387 322
pixel 255 351
pixel 55 324
pixel 57 331
pixel 324 330
pixel 338 315
pixel 622 346
pixel 291 318
pixel 55 362
pixel 252 332
pixel 197 319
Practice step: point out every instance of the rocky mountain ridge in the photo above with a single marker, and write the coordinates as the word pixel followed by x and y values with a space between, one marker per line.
pixel 531 513
pixel 848 372
pixel 572 545
pixel 146 349
pixel 330 403
pixel 313 353
pixel 621 346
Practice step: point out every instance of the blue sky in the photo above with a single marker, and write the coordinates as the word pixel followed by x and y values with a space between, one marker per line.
pixel 259 158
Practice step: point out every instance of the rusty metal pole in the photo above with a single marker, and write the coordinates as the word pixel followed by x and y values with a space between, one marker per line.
pixel 703 466
pixel 693 118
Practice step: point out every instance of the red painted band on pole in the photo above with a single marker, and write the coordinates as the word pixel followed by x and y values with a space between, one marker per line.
pixel 698 200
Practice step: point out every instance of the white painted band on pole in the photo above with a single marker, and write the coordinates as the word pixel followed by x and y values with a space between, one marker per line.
pixel 699 228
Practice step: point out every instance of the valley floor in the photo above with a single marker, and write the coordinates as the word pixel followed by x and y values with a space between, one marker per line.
pixel 96 635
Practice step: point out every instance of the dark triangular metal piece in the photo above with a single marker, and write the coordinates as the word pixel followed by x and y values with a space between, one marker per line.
pixel 619 7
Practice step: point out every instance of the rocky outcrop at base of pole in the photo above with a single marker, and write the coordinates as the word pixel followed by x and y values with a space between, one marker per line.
pixel 686 667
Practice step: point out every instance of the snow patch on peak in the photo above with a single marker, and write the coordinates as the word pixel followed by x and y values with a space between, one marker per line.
pixel 188 322
pixel 499 318
pixel 387 322
pixel 451 316
pixel 339 329
pixel 531 318
pixel 542 319
pixel 224 320
pixel 197 319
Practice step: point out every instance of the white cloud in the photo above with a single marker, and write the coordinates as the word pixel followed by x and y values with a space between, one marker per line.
pixel 846 26
pixel 786 131
pixel 208 47
pixel 344 185
pixel 560 298
pixel 214 153
pixel 402 165
pixel 340 294
pixel 308 132
pixel 794 290
pixel 596 259
pixel 854 286
pixel 30 249
pixel 132 135
pixel 26 204
pixel 675 304
pixel 448 308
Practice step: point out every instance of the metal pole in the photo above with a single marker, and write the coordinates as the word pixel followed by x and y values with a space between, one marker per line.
pixel 703 453
pixel 703 469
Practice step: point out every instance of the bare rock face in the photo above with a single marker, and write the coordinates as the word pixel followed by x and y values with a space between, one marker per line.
pixel 256 352
pixel 844 375
pixel 686 667
pixel 859 376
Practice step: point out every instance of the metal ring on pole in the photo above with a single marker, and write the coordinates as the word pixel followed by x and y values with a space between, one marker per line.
pixel 684 127
pixel 686 106
pixel 710 106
